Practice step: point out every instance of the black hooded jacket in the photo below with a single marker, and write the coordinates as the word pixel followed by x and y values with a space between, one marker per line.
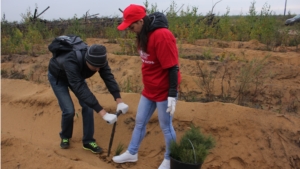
pixel 75 74
pixel 159 20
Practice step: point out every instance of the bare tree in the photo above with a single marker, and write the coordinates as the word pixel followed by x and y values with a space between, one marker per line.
pixel 212 9
pixel 285 7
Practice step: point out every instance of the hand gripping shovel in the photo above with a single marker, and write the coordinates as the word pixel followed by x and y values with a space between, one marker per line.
pixel 112 134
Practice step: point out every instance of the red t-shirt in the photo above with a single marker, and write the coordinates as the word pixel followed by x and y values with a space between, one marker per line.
pixel 161 54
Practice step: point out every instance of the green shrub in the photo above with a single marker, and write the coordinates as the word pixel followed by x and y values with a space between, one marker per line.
pixel 193 146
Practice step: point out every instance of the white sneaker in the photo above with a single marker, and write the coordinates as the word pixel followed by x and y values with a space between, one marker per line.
pixel 125 157
pixel 165 164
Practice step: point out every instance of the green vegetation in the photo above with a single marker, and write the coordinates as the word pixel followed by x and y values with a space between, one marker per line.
pixel 186 24
pixel 119 149
pixel 250 77
pixel 193 147
pixel 31 37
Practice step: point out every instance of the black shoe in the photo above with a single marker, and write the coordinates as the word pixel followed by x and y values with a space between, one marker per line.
pixel 93 147
pixel 65 143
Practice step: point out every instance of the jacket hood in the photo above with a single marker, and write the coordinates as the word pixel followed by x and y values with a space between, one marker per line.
pixel 158 20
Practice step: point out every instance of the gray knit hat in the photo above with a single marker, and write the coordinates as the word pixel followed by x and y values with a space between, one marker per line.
pixel 96 55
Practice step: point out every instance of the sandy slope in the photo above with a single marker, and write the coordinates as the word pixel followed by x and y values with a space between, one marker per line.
pixel 246 138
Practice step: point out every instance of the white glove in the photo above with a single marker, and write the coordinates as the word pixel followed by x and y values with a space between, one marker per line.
pixel 123 107
pixel 171 105
pixel 110 118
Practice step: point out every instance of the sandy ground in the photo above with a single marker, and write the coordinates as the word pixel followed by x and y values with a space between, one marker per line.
pixel 246 137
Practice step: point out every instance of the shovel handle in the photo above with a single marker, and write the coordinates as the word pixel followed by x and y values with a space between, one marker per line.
pixel 112 134
pixel 119 112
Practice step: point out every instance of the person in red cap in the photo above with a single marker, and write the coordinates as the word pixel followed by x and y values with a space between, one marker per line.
pixel 161 77
pixel 69 74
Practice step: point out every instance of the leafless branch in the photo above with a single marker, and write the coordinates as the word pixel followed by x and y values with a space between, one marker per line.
pixel 214 6
pixel 180 8
pixel 43 11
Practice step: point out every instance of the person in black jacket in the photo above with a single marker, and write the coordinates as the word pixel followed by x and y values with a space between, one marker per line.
pixel 71 74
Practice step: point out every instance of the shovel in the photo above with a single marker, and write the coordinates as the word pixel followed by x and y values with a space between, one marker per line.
pixel 112 134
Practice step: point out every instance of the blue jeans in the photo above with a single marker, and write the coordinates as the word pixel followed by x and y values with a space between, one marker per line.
pixel 145 110
pixel 61 91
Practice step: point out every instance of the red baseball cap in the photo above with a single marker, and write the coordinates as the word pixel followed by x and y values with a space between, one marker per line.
pixel 131 14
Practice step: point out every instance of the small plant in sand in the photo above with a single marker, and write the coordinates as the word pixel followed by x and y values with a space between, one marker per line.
pixel 193 147
pixel 251 77
pixel 207 54
pixel 128 47
pixel 119 149
pixel 206 80
pixel 130 85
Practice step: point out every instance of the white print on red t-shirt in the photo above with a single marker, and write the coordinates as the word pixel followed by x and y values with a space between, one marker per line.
pixel 144 57
pixel 147 61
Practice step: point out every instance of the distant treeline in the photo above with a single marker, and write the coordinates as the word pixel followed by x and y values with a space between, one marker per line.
pixel 186 25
